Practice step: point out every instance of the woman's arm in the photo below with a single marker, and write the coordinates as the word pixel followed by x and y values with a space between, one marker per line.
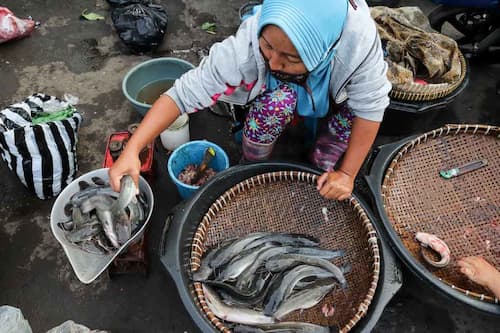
pixel 195 90
pixel 163 113
pixel 340 183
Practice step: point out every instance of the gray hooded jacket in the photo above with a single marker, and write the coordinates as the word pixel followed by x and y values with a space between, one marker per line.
pixel 235 72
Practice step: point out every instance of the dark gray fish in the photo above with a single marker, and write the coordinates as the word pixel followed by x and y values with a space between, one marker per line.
pixel 285 261
pixel 97 201
pixel 247 329
pixel 205 271
pixel 84 233
pixel 66 226
pixel 241 262
pixel 246 298
pixel 285 239
pixel 108 225
pixel 99 181
pixel 305 299
pixel 68 208
pixel 78 197
pixel 127 193
pixel 123 232
pixel 104 243
pixel 82 184
pixel 245 279
pixel 235 248
pixel 78 217
pixel 135 215
pixel 284 327
pixel 287 284
pixel 233 313
pixel 91 246
pixel 305 283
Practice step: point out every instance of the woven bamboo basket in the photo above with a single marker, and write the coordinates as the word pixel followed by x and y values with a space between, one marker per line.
pixel 287 201
pixel 463 211
pixel 418 93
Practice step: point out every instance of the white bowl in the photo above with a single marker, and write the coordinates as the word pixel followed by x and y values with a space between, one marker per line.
pixel 88 266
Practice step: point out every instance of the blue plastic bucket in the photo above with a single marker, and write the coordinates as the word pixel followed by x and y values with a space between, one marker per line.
pixel 148 72
pixel 192 153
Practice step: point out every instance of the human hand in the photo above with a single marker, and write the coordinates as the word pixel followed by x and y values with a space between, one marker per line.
pixel 127 164
pixel 335 185
pixel 480 271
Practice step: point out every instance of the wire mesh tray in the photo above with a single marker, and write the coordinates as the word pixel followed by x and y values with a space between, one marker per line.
pixel 288 201
pixel 464 211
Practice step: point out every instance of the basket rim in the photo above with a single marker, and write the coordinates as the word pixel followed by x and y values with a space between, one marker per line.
pixel 449 129
pixel 429 92
pixel 273 177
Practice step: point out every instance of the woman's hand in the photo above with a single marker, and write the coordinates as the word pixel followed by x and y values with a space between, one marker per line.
pixel 335 185
pixel 161 115
pixel 480 271
pixel 127 164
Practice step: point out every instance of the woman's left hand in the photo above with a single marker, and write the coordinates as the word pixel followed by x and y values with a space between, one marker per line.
pixel 335 185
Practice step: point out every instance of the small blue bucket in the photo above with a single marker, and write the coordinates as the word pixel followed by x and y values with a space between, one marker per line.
pixel 192 153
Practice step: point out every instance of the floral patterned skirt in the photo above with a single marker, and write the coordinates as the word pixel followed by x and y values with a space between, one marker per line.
pixel 272 111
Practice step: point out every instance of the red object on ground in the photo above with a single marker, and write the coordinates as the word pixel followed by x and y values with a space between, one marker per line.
pixel 146 155
pixel 134 260
pixel 12 27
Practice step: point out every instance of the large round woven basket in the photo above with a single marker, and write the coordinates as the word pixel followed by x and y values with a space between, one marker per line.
pixel 418 92
pixel 464 211
pixel 287 201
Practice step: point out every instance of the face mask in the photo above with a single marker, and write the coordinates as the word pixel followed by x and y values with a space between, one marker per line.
pixel 299 79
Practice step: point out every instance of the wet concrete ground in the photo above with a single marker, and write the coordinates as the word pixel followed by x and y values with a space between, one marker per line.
pixel 87 60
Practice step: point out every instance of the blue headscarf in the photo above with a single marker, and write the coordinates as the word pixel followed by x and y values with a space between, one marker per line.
pixel 313 27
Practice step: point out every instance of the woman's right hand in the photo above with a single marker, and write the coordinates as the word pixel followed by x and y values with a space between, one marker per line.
pixel 161 115
pixel 127 164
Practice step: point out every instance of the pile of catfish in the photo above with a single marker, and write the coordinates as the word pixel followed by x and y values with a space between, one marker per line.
pixel 257 280
pixel 101 220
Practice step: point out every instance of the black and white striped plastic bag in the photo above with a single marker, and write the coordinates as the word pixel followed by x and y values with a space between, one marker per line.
pixel 38 140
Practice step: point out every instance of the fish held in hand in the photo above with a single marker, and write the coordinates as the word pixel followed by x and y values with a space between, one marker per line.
pixel 127 193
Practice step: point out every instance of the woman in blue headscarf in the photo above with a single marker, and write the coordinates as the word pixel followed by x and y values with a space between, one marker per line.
pixel 319 60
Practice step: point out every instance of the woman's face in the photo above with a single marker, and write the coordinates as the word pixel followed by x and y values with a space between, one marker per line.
pixel 279 51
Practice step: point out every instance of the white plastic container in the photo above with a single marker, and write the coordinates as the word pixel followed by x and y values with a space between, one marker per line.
pixel 88 266
pixel 177 134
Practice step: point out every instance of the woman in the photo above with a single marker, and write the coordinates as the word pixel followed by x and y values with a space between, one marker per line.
pixel 320 59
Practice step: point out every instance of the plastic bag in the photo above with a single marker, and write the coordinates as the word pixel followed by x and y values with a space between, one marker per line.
pixel 12 320
pixel 38 140
pixel 70 326
pixel 12 27
pixel 121 3
pixel 141 27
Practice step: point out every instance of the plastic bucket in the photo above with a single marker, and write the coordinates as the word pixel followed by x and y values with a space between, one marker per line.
pixel 192 153
pixel 177 133
pixel 148 72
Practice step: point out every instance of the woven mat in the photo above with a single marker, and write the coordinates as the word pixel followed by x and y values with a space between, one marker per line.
pixel 289 202
pixel 463 211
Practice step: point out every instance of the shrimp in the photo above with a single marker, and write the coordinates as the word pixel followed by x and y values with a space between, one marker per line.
pixel 436 244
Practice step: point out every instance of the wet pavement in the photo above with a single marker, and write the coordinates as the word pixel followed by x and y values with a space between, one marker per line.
pixel 86 59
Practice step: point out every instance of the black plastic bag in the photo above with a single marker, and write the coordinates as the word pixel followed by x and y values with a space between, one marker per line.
pixel 141 27
pixel 121 3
